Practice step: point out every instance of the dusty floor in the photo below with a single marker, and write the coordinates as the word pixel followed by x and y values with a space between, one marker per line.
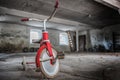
pixel 75 66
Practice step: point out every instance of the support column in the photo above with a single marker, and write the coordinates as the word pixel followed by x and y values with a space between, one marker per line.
pixel 77 43
pixel 88 40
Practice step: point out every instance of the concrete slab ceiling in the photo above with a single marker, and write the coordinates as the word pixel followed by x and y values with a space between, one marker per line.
pixel 79 13
pixel 14 16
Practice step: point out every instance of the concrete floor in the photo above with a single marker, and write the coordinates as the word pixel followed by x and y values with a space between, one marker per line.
pixel 75 66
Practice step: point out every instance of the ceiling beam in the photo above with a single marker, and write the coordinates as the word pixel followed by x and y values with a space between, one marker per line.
pixel 111 3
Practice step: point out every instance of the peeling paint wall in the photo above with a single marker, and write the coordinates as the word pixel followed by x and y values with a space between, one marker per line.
pixel 15 37
pixel 97 39
pixel 102 39
pixel 111 36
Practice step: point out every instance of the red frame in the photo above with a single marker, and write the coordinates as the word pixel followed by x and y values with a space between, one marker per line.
pixel 45 43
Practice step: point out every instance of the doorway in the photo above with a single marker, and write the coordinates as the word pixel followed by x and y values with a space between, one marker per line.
pixel 116 41
pixel 82 42
pixel 74 42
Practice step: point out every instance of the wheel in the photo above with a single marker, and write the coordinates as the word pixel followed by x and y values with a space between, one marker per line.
pixel 31 49
pixel 49 70
pixel 25 49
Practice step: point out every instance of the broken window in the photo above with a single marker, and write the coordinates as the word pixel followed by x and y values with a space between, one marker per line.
pixel 35 34
pixel 63 37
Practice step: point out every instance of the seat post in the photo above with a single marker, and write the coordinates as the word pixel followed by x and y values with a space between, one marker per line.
pixel 44 24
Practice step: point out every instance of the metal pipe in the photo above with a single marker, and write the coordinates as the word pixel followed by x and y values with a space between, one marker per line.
pixel 44 24
pixel 53 13
pixel 34 19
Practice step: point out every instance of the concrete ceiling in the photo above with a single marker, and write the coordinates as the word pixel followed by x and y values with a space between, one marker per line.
pixel 52 25
pixel 74 12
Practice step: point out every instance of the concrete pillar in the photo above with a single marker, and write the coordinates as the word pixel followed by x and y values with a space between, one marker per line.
pixel 77 42
pixel 88 40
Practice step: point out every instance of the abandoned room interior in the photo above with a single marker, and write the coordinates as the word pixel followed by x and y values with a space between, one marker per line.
pixel 86 32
